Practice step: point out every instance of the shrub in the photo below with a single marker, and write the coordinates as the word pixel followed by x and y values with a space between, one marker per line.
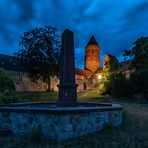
pixel 105 88
pixel 119 86
pixel 139 81
pixel 115 85
pixel 1 74
pixel 7 85
pixel 7 99
pixel 6 92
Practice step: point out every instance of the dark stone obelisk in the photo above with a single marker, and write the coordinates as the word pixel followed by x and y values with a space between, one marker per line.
pixel 67 86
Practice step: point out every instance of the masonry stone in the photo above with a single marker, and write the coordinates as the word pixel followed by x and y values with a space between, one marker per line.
pixel 60 127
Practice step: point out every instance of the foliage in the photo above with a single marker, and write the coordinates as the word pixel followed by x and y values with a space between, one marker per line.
pixel 139 53
pixel 113 83
pixel 119 86
pixel 6 83
pixel 139 81
pixel 1 74
pixel 28 97
pixel 102 87
pixel 112 64
pixel 40 53
pixel 112 78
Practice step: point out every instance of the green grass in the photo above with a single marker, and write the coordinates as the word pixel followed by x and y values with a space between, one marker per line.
pixel 91 95
pixel 47 96
pixel 28 97
pixel 94 95
pixel 132 133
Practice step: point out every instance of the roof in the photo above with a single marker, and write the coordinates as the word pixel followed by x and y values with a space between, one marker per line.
pixel 83 72
pixel 111 56
pixel 11 63
pixel 92 41
pixel 125 65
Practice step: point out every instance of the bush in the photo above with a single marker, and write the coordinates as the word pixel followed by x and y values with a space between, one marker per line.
pixel 7 99
pixel 105 88
pixel 120 86
pixel 115 85
pixel 139 81
pixel 7 92
pixel 6 83
pixel 1 74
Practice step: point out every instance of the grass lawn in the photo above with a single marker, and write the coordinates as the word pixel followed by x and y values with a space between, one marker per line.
pixel 28 97
pixel 133 133
pixel 92 95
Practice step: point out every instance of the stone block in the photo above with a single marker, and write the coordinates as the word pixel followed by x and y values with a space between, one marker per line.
pixel 5 114
pixel 63 119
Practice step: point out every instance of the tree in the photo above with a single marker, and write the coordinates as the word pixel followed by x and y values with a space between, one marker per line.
pixel 110 76
pixel 113 82
pixel 139 53
pixel 112 65
pixel 139 81
pixel 40 52
pixel 1 74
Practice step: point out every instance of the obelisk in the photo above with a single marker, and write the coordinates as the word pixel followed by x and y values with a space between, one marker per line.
pixel 67 86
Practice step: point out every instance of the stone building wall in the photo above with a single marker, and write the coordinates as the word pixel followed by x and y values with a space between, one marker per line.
pixel 54 83
pixel 24 84
pixel 83 85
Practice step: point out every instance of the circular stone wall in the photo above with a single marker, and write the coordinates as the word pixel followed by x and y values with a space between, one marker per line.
pixel 59 123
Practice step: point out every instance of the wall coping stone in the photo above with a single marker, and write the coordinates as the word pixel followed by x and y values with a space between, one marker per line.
pixel 28 107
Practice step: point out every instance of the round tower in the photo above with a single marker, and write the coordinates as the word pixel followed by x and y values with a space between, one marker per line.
pixel 92 55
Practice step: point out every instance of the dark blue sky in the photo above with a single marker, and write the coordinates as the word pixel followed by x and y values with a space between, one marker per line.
pixel 115 24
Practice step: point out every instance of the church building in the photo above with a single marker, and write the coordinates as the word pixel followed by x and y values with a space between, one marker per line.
pixel 84 77
pixel 91 65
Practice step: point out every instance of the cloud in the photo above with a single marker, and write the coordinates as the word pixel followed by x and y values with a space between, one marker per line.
pixel 115 24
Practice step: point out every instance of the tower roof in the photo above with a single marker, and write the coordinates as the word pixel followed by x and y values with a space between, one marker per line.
pixel 92 41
